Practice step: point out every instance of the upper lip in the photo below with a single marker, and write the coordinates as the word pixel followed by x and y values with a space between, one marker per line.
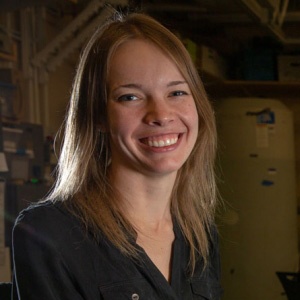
pixel 160 134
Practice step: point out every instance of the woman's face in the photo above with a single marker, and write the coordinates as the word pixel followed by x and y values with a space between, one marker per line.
pixel 152 117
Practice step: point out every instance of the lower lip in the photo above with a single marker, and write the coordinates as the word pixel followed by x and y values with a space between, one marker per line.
pixel 165 148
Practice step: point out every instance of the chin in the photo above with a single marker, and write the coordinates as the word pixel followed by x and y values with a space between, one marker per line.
pixel 163 170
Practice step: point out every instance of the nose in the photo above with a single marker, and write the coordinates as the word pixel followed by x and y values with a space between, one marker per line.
pixel 159 113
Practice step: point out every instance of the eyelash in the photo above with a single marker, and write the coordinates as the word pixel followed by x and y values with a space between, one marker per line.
pixel 131 97
pixel 126 98
pixel 178 93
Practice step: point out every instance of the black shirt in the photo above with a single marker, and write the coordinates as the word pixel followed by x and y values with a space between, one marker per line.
pixel 54 258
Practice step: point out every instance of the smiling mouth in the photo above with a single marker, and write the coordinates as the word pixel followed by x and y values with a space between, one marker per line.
pixel 161 141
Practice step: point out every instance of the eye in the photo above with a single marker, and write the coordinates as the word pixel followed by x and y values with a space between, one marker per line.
pixel 178 93
pixel 127 97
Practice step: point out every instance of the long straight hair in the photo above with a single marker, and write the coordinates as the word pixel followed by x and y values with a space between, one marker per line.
pixel 82 178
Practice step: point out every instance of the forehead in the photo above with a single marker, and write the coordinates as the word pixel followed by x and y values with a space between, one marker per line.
pixel 139 47
pixel 142 56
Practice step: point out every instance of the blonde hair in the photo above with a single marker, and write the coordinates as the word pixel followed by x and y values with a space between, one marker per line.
pixel 82 168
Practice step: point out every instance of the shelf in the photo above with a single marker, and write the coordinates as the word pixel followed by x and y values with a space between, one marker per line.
pixel 10 56
pixel 12 130
pixel 264 84
pixel 219 88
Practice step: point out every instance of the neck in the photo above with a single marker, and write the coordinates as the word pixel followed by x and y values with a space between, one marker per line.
pixel 145 199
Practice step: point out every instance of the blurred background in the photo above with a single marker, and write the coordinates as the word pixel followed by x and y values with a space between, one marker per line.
pixel 248 55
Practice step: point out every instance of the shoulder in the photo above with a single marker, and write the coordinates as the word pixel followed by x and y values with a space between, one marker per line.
pixel 49 218
pixel 43 213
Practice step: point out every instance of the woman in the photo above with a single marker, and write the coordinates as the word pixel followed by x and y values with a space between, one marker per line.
pixel 131 214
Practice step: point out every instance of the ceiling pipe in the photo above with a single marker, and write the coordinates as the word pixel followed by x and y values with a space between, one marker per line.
pixel 283 12
pixel 52 47
pixel 54 61
pixel 53 54
pixel 262 14
pixel 270 4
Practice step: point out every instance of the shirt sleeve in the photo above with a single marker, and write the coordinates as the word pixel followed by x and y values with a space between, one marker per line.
pixel 40 272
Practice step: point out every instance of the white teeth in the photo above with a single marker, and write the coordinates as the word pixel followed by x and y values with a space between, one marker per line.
pixel 162 143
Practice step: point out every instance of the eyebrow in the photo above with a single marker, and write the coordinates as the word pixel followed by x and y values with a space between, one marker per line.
pixel 129 85
pixel 172 83
pixel 139 86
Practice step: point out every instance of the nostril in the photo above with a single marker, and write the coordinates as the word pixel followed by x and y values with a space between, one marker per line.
pixel 158 120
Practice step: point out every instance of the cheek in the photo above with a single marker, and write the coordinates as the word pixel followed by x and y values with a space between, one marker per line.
pixel 114 118
pixel 193 126
pixel 192 118
pixel 120 124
